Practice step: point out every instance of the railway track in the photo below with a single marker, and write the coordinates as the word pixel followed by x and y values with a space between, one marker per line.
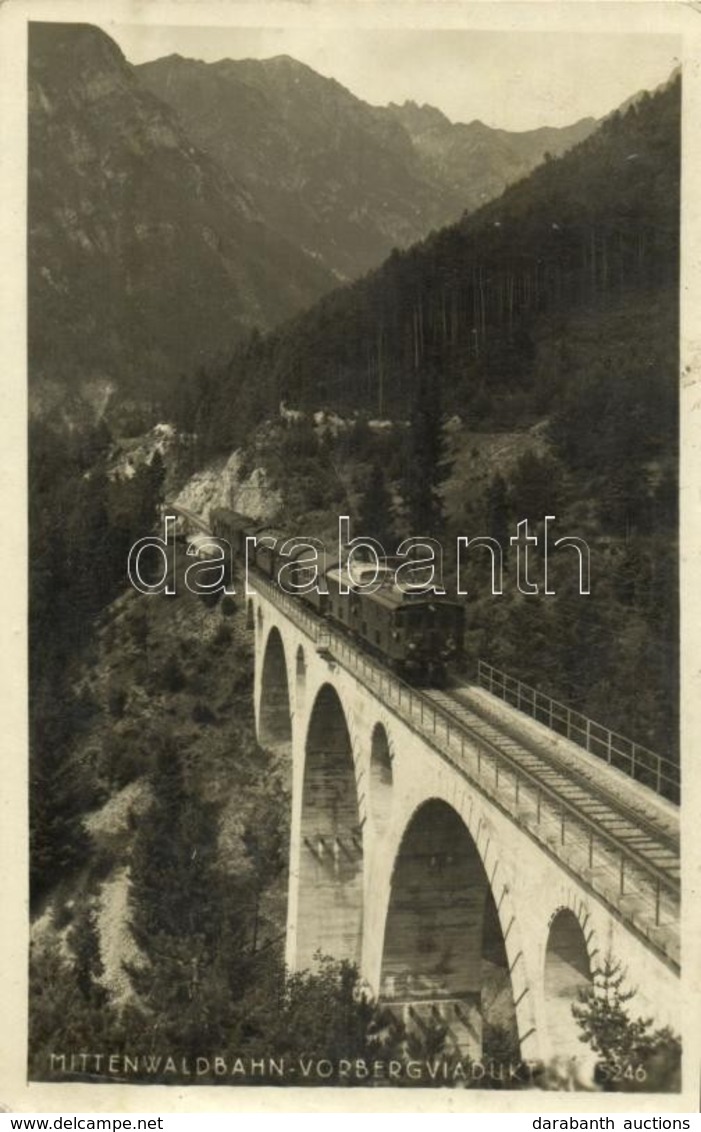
pixel 641 836
pixel 189 516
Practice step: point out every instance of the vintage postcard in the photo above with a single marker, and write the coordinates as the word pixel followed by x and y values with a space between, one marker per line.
pixel 352 479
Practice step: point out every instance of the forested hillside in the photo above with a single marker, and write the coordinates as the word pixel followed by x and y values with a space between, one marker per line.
pixel 553 307
pixel 485 304
pixel 175 206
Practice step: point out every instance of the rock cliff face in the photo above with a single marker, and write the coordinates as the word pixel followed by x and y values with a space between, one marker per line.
pixel 146 257
pixel 222 485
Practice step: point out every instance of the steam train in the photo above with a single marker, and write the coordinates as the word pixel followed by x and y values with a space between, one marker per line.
pixel 416 634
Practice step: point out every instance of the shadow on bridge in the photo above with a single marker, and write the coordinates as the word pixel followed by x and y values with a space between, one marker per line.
pixel 275 726
pixel 444 954
pixel 330 911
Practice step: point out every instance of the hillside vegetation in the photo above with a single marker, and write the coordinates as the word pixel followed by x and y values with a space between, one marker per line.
pixel 554 308
pixel 484 307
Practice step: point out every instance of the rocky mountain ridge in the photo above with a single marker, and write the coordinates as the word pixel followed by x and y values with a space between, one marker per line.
pixel 347 180
pixel 146 258
pixel 476 161
pixel 177 205
pixel 326 170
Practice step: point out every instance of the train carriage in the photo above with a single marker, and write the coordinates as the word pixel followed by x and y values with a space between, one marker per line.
pixel 233 527
pixel 319 597
pixel 416 634
pixel 266 553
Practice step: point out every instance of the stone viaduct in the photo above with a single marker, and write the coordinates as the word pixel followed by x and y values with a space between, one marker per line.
pixel 461 890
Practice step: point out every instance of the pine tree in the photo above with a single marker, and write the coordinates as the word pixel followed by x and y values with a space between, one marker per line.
pixel 426 465
pixel 189 917
pixel 174 869
pixel 265 839
pixel 630 1053
pixel 498 513
pixel 375 518
pixel 604 1018
pixel 61 1016
pixel 84 942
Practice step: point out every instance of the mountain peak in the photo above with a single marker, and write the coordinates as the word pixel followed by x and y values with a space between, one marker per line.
pixel 176 59
pixel 73 48
pixel 418 118
pixel 123 205
pixel 285 61
pixel 280 70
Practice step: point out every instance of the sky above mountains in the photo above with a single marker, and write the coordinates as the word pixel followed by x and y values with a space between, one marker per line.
pixel 515 80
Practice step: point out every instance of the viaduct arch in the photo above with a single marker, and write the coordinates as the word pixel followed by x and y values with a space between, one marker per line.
pixel 568 969
pixel 275 716
pixel 330 909
pixel 443 940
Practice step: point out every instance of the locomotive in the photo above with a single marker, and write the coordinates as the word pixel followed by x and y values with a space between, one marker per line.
pixel 416 634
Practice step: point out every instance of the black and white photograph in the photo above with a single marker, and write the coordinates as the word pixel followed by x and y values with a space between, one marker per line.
pixel 351 370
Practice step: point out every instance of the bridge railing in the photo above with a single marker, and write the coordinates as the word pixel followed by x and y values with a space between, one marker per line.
pixel 638 762
pixel 189 516
pixel 614 870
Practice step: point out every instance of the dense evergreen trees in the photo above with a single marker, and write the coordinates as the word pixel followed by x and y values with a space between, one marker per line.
pixel 426 467
pixel 81 526
pixel 590 230
pixel 375 514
